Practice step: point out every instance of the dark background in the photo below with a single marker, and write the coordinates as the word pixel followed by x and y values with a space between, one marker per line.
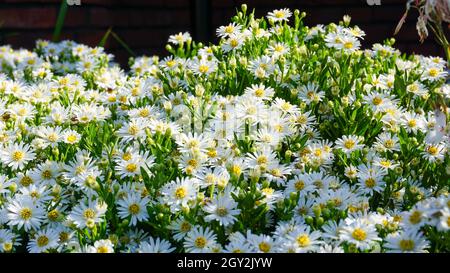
pixel 146 24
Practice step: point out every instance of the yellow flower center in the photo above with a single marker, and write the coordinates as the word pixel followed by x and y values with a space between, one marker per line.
pixel 259 92
pixel 413 88
pixel 286 106
pixel 53 215
pixel 185 227
pixel 52 137
pixel 102 249
pixel 348 45
pixel 71 138
pixel 134 209
pixel 370 182
pixel 299 185
pixel 180 193
pixel 47 174
pixel 131 168
pixel 279 14
pixel 336 201
pixel 302 210
pixel 7 247
pixel 406 245
pixel 389 143
pixel 349 144
pixel 25 213
pixel 135 92
pixel 144 112
pixel 264 247
pixel 377 101
pixel 229 29
pixel 212 153
pixel 26 181
pixel 251 110
pixel 385 163
pixel 34 194
pixel 302 119
pixel 268 191
pixel 222 211
pixel 359 234
pixel 18 155
pixel 412 123
pixel 303 240
pixel 89 213
pixel 200 242
pixel 415 217
pixel 432 150
pixel 126 156
pixel 433 72
pixel 63 236
pixel 318 184
pixel 193 143
pixel 79 170
pixel 170 63
pixel 236 169
pixel 42 241
pixel 262 159
pixel 351 173
pixel 279 48
pixel 203 68
pixel 193 162
pixel 276 172
pixel 133 130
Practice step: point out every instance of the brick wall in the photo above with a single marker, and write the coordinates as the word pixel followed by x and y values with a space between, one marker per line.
pixel 146 24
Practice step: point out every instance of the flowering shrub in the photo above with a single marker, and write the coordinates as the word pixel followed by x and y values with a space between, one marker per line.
pixel 281 138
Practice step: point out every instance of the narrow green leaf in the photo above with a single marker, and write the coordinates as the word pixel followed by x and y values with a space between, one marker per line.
pixel 60 20
pixel 105 38
pixel 122 43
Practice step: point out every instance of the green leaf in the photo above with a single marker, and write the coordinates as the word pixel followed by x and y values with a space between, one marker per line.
pixel 105 38
pixel 123 44
pixel 60 20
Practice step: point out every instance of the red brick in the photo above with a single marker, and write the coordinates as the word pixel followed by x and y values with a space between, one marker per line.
pixel 28 18
pixel 100 17
pixel 31 1
pixel 146 24
pixel 92 38
pixel 76 17
pixel 27 39
pixel 359 15
pixel 389 13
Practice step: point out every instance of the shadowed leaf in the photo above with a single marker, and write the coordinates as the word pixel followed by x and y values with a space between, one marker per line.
pixel 60 20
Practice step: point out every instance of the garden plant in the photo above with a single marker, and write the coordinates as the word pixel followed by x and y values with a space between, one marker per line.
pixel 280 138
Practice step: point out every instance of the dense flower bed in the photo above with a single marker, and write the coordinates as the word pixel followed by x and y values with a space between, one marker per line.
pixel 281 138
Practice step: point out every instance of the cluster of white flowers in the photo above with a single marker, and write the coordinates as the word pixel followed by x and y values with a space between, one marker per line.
pixel 279 139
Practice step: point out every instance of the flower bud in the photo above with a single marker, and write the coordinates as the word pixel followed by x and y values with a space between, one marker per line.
pixel 398 170
pixel 317 210
pixel 244 8
pixel 7 246
pixel 326 212
pixel 288 154
pixel 320 221
pixel 347 20
pixel 114 238
pixel 160 216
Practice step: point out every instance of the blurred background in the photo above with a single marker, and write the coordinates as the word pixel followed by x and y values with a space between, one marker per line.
pixel 144 25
